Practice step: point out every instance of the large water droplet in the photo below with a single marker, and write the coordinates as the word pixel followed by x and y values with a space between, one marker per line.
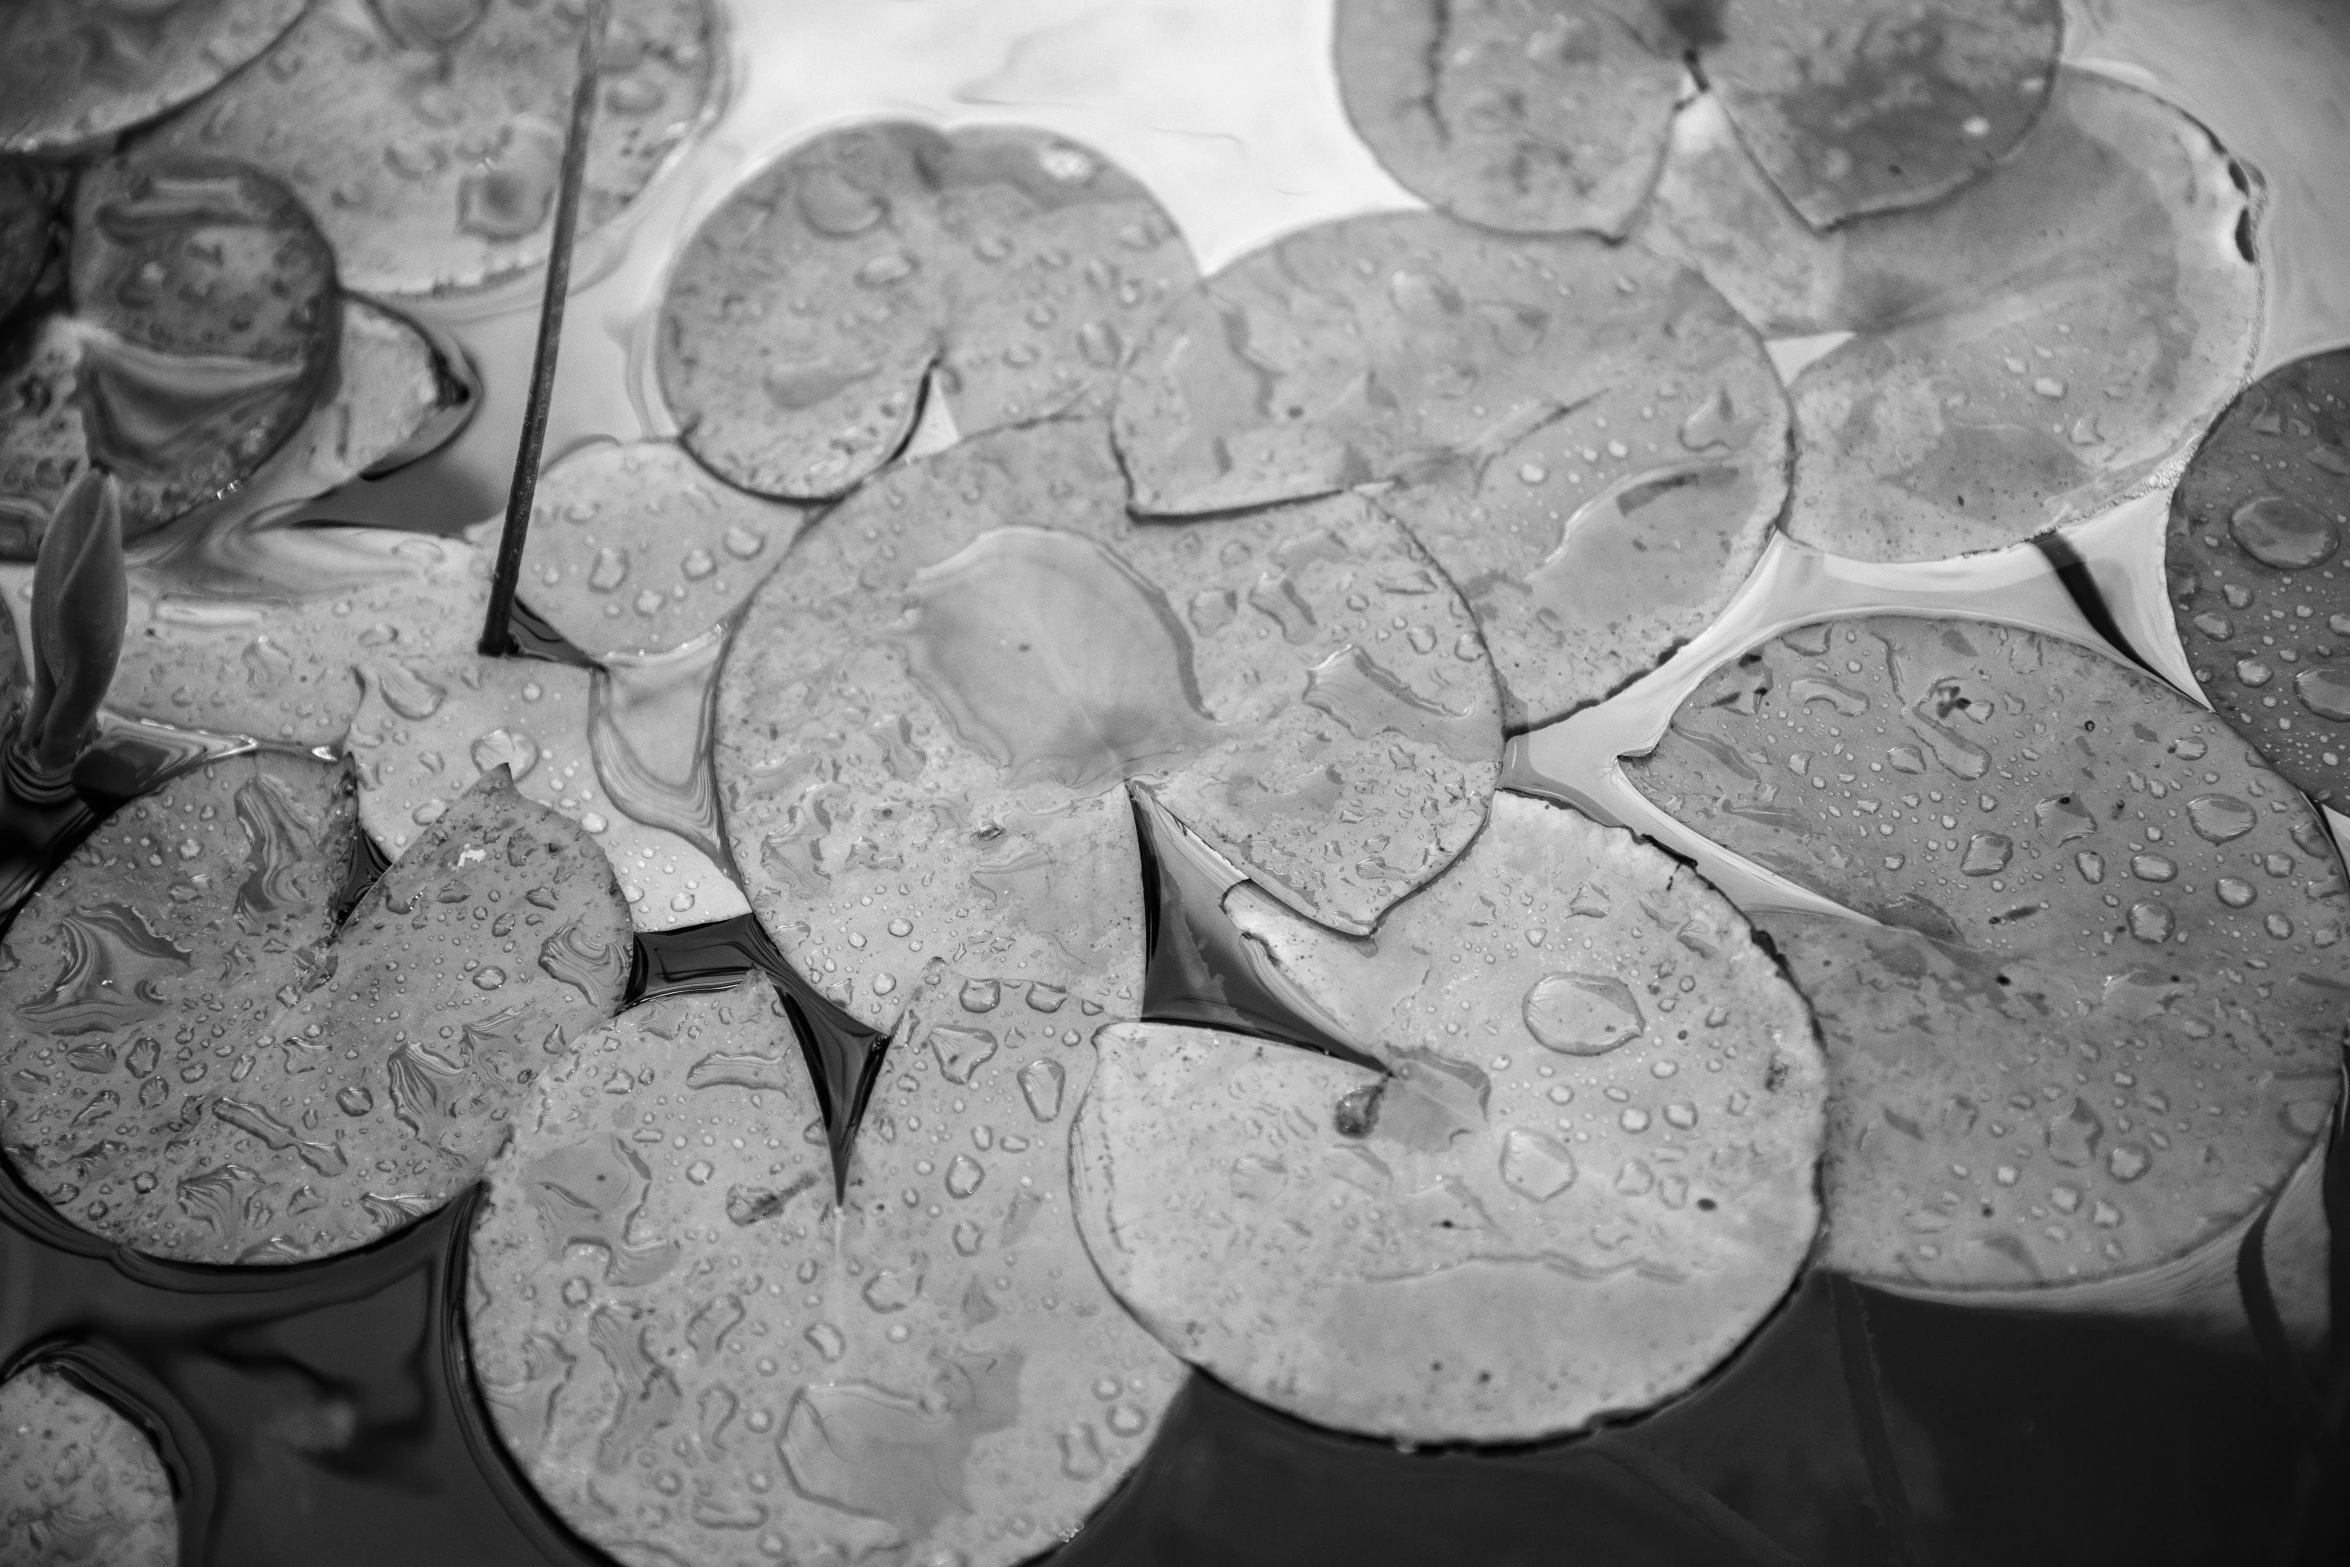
pixel 1535 1164
pixel 1042 1082
pixel 508 748
pixel 794 384
pixel 2073 1136
pixel 1987 854
pixel 2283 533
pixel 513 193
pixel 1581 1014
pixel 2218 818
pixel 961 1051
pixel 833 206
pixel 2325 690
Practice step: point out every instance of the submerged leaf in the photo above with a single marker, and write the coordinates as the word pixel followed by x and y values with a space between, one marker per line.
pixel 929 714
pixel 1586 437
pixel 1016 266
pixel 79 596
pixel 1479 1246
pixel 202 327
pixel 201 1065
pixel 2025 353
pixel 944 1376
pixel 74 72
pixel 80 1485
pixel 2259 580
pixel 1548 117
pixel 2102 1019
pixel 31 222
pixel 634 549
pixel 429 138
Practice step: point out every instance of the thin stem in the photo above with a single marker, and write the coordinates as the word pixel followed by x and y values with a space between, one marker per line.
pixel 497 637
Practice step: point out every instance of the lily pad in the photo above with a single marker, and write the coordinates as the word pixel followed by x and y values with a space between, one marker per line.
pixel 428 134
pixel 2258 577
pixel 689 1350
pixel 928 717
pixel 1587 1175
pixel 2100 1018
pixel 201 1064
pixel 203 325
pixel 427 728
pixel 74 72
pixel 1014 267
pixel 80 1486
pixel 1585 436
pixel 1547 117
pixel 2025 354
pixel 634 549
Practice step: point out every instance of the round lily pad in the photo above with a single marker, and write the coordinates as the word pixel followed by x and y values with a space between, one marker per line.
pixel 635 549
pixel 74 72
pixel 202 327
pixel 1545 117
pixel 1585 436
pixel 428 134
pixel 80 1486
pixel 928 716
pixel 696 1356
pixel 199 1063
pixel 1588 1173
pixel 427 728
pixel 1015 268
pixel 2259 579
pixel 2025 354
pixel 2100 1018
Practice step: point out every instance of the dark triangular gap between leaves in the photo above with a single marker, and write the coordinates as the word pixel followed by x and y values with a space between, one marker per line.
pixel 2080 585
pixel 1199 969
pixel 532 635
pixel 1865 1388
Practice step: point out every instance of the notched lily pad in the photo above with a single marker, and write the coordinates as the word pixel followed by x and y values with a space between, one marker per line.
pixel 1547 117
pixel 80 1486
pixel 634 549
pixel 2258 577
pixel 2026 352
pixel 427 728
pixel 1585 436
pixel 74 72
pixel 428 134
pixel 202 1065
pixel 202 326
pixel 929 714
pixel 941 1375
pixel 2103 1019
pixel 1588 1174
pixel 807 310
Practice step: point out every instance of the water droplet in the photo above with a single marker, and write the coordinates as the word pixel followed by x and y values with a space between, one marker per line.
pixel 491 978
pixel 408 693
pixel 1536 1165
pixel 2283 533
pixel 1099 342
pixel 1987 854
pixel 2252 672
pixel 2073 1136
pixel 2150 921
pixel 961 1051
pixel 354 1100
pixel 831 205
pixel 1042 1081
pixel 964 1176
pixel 2235 892
pixel 2048 386
pixel 794 384
pixel 981 995
pixel 2064 816
pixel 2091 865
pixel 2219 818
pixel 827 1340
pixel 2325 690
pixel 512 193
pixel 2153 867
pixel 1710 423
pixel 2127 1161
pixel 1581 1014
pixel 506 748
pixel 891 266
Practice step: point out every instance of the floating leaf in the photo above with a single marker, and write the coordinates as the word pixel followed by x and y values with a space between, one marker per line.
pixel 2258 577
pixel 1019 266
pixel 928 716
pixel 2026 353
pixel 201 1065
pixel 935 1366
pixel 1542 118
pixel 1588 1174
pixel 427 728
pixel 634 549
pixel 2102 1019
pixel 1588 439
pixel 203 325
pixel 74 72
pixel 428 134
pixel 80 1486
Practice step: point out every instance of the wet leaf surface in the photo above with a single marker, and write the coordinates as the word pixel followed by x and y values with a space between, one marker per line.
pixel 2102 1017
pixel 1587 1175
pixel 426 728
pixel 1545 118
pixel 634 549
pixel 929 714
pixel 202 1066
pixel 2026 352
pixel 941 1377
pixel 80 1486
pixel 2258 580
pixel 202 327
pixel 1587 438
pixel 1016 268
pixel 74 72
pixel 428 134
